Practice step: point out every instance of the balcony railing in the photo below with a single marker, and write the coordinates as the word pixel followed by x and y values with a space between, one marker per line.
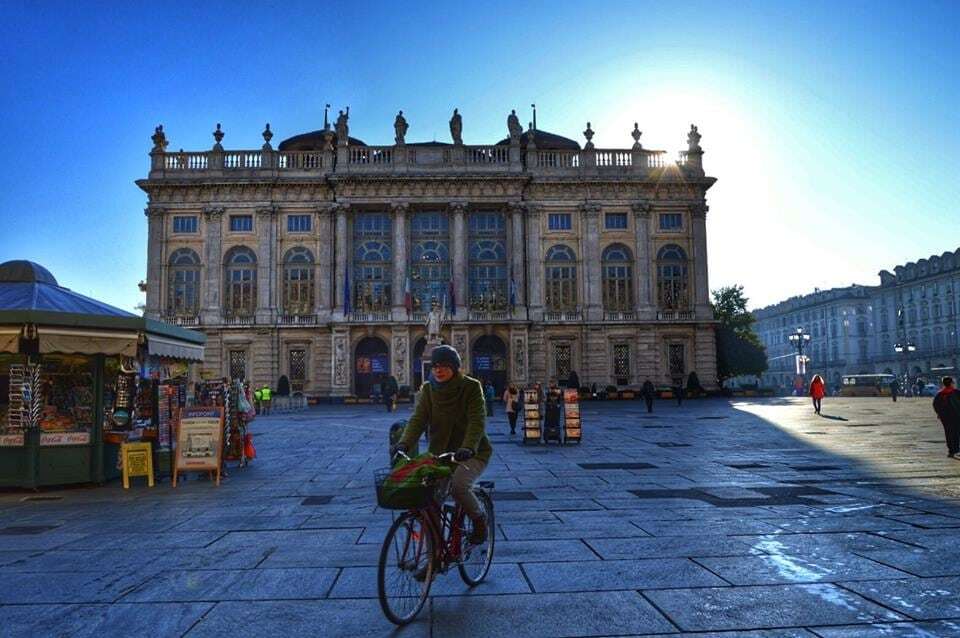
pixel 676 315
pixel 183 320
pixel 619 316
pixel 371 317
pixel 297 320
pixel 239 320
pixel 489 315
pixel 563 315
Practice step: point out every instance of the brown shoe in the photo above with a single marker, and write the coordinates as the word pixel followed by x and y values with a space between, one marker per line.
pixel 479 534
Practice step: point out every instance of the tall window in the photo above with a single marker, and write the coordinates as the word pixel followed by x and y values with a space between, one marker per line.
pixel 429 260
pixel 184 280
pixel 677 361
pixel 241 223
pixel 298 369
pixel 488 288
pixel 615 221
pixel 185 224
pixel 240 265
pixel 238 364
pixel 298 223
pixel 298 282
pixel 561 266
pixel 672 278
pixel 617 278
pixel 621 363
pixel 563 360
pixel 559 221
pixel 372 237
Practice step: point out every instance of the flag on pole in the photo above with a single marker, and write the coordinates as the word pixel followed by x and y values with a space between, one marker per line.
pixel 346 291
pixel 407 296
pixel 453 299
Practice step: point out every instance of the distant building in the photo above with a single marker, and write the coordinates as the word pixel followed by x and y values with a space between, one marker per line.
pixel 321 260
pixel 855 329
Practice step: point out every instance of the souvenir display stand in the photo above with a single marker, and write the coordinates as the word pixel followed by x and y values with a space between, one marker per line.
pixel 571 410
pixel 69 379
pixel 532 417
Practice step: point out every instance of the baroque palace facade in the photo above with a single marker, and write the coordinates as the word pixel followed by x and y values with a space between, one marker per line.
pixel 321 260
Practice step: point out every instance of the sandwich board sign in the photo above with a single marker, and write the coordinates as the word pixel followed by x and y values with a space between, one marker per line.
pixel 199 441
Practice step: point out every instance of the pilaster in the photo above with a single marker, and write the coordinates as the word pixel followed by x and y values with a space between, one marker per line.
pixel 323 299
pixel 518 249
pixel 590 216
pixel 266 264
pixel 213 265
pixel 458 236
pixel 534 263
pixel 340 361
pixel 401 354
pixel 698 219
pixel 156 221
pixel 644 261
pixel 519 362
pixel 400 259
pixel 340 260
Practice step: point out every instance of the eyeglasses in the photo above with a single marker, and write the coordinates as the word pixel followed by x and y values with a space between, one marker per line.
pixel 437 366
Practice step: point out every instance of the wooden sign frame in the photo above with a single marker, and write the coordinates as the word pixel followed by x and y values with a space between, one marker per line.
pixel 199 441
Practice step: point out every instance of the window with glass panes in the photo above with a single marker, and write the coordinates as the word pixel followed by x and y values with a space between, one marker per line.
pixel 563 360
pixel 241 282
pixel 677 361
pixel 298 223
pixel 429 260
pixel 487 257
pixel 617 264
pixel 621 363
pixel 238 364
pixel 671 221
pixel 241 223
pixel 561 278
pixel 672 278
pixel 183 298
pixel 298 282
pixel 298 369
pixel 373 269
pixel 559 221
pixel 615 221
pixel 185 224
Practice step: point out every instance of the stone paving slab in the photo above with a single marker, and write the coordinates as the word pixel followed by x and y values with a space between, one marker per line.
pixel 542 615
pixel 618 575
pixel 761 607
pixel 669 547
pixel 97 621
pixel 941 629
pixel 545 551
pixel 795 568
pixel 361 582
pixel 919 598
pixel 920 562
pixel 251 584
pixel 68 587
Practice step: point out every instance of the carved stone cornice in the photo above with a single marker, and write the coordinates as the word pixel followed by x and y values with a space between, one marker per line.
pixel 641 209
pixel 326 208
pixel 154 211
pixel 516 208
pixel 589 209
pixel 340 208
pixel 267 211
pixel 400 207
pixel 698 210
pixel 457 208
pixel 213 213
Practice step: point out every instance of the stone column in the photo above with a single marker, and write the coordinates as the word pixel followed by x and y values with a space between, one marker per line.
pixel 517 263
pixel 323 273
pixel 458 245
pixel 518 355
pixel 534 263
pixel 340 259
pixel 340 364
pixel 644 264
pixel 213 266
pixel 400 259
pixel 400 366
pixel 590 258
pixel 266 265
pixel 701 286
pixel 155 258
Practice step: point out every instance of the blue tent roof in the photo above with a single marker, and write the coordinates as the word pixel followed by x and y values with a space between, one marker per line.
pixel 53 298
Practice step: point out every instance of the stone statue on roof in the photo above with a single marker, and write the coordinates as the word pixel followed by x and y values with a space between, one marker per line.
pixel 514 126
pixel 400 128
pixel 693 139
pixel 456 128
pixel 159 139
pixel 343 130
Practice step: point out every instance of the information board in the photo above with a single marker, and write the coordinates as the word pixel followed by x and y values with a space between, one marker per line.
pixel 137 461
pixel 199 441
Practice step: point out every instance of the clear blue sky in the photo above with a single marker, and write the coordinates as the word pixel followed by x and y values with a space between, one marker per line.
pixel 832 127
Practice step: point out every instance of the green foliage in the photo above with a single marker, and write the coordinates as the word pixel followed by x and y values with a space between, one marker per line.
pixel 739 351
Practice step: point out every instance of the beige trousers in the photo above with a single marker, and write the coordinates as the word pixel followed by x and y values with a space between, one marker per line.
pixel 461 485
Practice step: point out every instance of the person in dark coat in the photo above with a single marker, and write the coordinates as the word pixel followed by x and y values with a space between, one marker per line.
pixel 489 395
pixel 894 389
pixel 947 406
pixel 678 390
pixel 647 392
pixel 390 390
pixel 573 381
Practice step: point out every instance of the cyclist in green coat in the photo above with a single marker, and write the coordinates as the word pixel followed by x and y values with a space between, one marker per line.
pixel 452 404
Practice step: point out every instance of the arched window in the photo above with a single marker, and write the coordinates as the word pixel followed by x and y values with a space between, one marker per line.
pixel 373 268
pixel 672 278
pixel 298 282
pixel 429 260
pixel 617 278
pixel 240 266
pixel 183 299
pixel 561 270
pixel 487 255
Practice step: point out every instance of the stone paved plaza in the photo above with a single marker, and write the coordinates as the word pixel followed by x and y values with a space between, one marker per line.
pixel 733 518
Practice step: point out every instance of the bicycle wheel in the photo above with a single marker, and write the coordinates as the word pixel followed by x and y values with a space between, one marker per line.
pixel 476 560
pixel 405 570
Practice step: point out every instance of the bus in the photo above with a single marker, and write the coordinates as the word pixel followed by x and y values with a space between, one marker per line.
pixel 866 385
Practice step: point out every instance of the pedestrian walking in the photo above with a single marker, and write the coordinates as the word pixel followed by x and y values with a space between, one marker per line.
pixel 678 390
pixel 390 390
pixel 647 392
pixel 894 389
pixel 511 399
pixel 947 406
pixel 817 391
pixel 489 395
pixel 573 381
pixel 257 398
pixel 266 398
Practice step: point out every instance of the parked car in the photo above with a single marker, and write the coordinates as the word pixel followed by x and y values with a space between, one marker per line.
pixel 930 390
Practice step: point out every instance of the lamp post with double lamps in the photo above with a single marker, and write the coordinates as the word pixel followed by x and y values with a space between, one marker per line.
pixel 800 339
pixel 905 348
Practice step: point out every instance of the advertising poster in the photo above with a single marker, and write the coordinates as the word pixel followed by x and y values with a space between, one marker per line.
pixel 199 441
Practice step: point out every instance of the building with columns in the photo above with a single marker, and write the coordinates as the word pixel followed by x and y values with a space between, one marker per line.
pixel 320 260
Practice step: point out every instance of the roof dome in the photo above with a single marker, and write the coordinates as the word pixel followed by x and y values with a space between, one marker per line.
pixel 313 141
pixel 23 271
pixel 546 141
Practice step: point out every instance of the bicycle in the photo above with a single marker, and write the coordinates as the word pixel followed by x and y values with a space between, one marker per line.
pixel 429 537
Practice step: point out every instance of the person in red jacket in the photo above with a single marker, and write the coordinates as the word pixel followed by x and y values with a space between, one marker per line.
pixel 947 406
pixel 817 390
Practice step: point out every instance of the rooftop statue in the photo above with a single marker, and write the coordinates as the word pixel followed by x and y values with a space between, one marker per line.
pixel 343 130
pixel 456 128
pixel 693 139
pixel 159 139
pixel 400 128
pixel 513 125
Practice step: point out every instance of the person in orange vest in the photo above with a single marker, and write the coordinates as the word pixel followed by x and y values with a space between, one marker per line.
pixel 817 391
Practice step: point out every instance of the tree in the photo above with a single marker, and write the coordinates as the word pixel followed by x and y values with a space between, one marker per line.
pixel 739 350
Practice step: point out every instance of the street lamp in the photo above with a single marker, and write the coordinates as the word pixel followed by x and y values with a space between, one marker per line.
pixel 799 339
pixel 905 348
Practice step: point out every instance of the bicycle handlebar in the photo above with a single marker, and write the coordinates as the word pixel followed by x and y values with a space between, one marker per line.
pixel 446 456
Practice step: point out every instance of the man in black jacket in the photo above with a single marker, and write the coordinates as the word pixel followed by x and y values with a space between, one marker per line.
pixel 947 406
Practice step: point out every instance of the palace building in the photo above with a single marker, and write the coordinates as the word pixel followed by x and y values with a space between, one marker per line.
pixel 321 259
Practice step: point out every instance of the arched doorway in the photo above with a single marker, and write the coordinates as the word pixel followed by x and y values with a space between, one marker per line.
pixel 488 361
pixel 371 365
pixel 416 373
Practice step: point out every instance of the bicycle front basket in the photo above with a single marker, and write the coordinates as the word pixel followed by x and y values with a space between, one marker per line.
pixel 406 496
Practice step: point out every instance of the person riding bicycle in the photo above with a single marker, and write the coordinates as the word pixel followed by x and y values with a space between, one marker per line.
pixel 453 406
